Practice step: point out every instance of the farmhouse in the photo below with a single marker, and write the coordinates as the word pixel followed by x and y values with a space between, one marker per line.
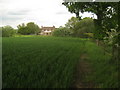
pixel 47 30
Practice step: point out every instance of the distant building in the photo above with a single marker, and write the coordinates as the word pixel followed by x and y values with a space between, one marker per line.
pixel 47 30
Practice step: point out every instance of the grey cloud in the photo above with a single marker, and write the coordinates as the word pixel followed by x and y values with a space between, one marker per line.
pixel 20 12
pixel 10 18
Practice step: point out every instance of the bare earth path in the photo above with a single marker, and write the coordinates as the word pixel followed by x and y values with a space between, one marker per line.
pixel 83 70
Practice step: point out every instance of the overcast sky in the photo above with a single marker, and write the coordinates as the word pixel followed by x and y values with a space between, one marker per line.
pixel 41 12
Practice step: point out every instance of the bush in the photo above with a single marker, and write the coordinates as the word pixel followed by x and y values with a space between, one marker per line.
pixel 8 31
pixel 88 35
pixel 62 31
pixel 86 25
pixel 30 28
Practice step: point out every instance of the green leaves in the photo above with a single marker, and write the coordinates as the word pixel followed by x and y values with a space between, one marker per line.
pixel 30 28
pixel 62 31
pixel 105 11
pixel 8 31
pixel 79 27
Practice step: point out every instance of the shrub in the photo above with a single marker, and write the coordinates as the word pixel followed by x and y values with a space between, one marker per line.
pixel 62 31
pixel 8 31
pixel 29 29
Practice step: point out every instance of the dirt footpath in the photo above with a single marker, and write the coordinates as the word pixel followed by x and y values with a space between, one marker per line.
pixel 83 70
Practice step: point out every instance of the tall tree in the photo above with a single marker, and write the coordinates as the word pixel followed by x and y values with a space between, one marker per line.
pixel 30 28
pixel 22 29
pixel 84 26
pixel 33 28
pixel 107 17
pixel 72 22
pixel 98 8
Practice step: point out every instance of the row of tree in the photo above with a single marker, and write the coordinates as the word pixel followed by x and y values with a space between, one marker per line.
pixel 28 29
pixel 76 28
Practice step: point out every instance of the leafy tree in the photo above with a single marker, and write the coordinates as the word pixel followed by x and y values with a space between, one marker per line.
pixel 79 27
pixel 72 23
pixel 98 8
pixel 33 28
pixel 85 25
pixel 8 31
pixel 62 31
pixel 30 28
pixel 22 29
pixel 107 17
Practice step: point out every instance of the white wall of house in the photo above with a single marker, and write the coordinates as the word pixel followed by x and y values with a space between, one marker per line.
pixel 47 30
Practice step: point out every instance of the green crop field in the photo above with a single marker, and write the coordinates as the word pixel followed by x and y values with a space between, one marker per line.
pixel 42 62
